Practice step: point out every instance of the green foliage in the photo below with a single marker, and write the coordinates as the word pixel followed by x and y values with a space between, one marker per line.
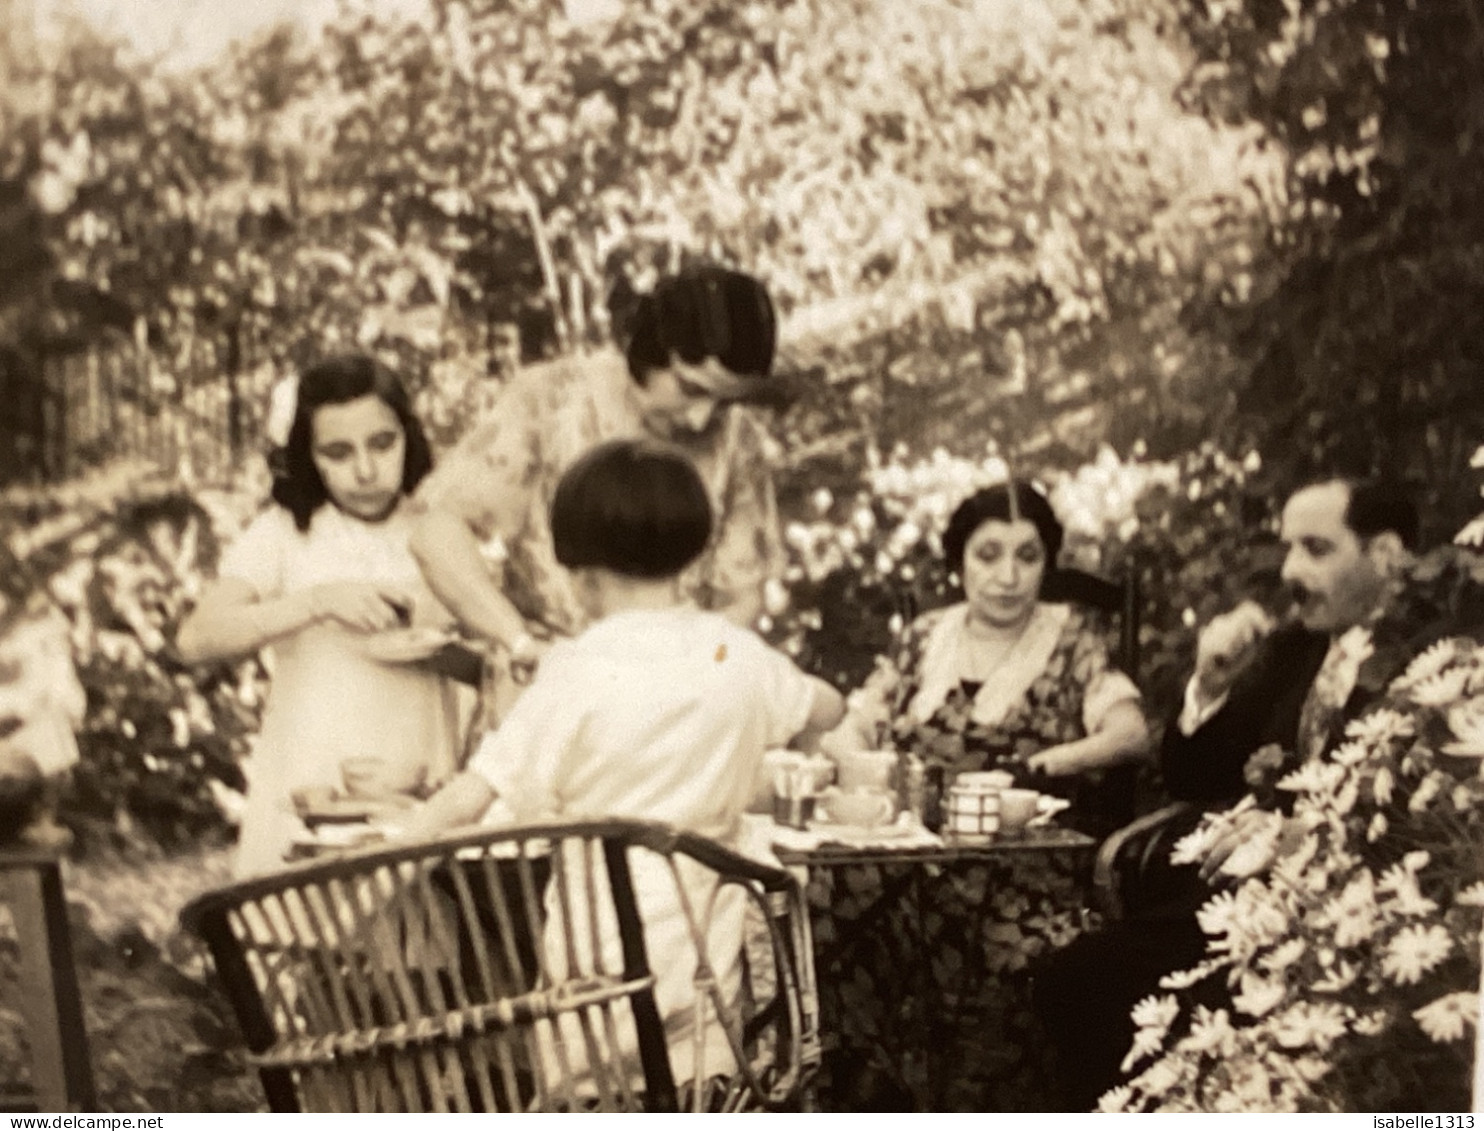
pixel 123 558
pixel 953 181
pixel 1367 349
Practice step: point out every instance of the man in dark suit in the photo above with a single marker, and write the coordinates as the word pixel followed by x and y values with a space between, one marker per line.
pixel 1255 685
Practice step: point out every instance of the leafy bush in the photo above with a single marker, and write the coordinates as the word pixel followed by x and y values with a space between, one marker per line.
pixel 123 557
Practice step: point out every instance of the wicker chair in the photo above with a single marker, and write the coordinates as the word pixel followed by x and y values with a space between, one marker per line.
pixel 468 973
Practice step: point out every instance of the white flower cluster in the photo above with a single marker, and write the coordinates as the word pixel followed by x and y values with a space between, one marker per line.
pixel 904 505
pixel 1098 502
pixel 1318 943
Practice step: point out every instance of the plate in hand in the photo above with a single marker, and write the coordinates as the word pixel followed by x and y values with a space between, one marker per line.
pixel 406 645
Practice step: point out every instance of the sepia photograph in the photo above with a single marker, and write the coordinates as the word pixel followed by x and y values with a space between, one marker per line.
pixel 802 556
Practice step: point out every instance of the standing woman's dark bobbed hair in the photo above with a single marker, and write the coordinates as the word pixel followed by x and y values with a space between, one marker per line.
pixel 337 380
pixel 703 312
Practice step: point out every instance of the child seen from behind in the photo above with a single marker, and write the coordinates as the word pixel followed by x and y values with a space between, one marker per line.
pixel 658 711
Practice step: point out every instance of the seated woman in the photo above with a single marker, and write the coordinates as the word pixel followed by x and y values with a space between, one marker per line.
pixel 1003 679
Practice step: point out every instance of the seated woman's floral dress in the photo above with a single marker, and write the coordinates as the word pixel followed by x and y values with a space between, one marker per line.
pixel 937 958
pixel 1056 687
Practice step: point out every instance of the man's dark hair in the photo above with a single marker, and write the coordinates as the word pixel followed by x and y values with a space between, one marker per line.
pixel 631 507
pixel 992 504
pixel 704 312
pixel 338 380
pixel 1379 505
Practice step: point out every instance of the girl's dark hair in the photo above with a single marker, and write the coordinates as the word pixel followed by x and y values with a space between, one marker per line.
pixel 300 490
pixel 704 312
pixel 631 507
pixel 992 504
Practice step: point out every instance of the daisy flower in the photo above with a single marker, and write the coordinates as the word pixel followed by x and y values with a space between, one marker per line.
pixel 1448 1018
pixel 1440 690
pixel 1466 721
pixel 1184 979
pixel 1258 996
pixel 1400 880
pixel 1193 847
pixel 1429 663
pixel 1217 915
pixel 1309 1025
pixel 1284 955
pixel 1340 978
pixel 1379 727
pixel 1147 1042
pixel 1472 534
pixel 1156 1012
pixel 1116 1099
pixel 1353 913
pixel 1210 1032
pixel 1319 779
pixel 1471 896
pixel 1414 951
pixel 1255 853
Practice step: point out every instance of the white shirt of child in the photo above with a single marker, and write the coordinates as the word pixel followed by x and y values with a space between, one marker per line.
pixel 650 714
pixel 658 715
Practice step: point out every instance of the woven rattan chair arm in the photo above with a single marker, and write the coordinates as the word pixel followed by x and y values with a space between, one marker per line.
pixel 1104 869
pixel 353 863
pixel 732 865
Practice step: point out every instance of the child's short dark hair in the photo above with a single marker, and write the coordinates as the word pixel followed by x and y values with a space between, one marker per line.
pixel 632 507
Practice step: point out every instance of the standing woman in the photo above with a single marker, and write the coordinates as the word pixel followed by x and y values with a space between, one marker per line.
pixel 325 578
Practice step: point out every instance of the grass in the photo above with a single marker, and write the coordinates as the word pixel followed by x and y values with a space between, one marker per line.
pixel 160 1035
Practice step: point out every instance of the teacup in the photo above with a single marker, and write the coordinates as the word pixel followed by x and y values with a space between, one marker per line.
pixel 369 778
pixel 865 808
pixel 865 769
pixel 1017 808
pixel 971 811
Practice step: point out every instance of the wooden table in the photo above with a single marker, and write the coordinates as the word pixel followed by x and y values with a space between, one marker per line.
pixel 924 957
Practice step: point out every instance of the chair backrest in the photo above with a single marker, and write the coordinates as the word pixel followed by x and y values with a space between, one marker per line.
pixel 1120 599
pixel 511 970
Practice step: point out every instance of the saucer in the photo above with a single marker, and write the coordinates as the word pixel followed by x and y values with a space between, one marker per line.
pixel 887 831
pixel 341 810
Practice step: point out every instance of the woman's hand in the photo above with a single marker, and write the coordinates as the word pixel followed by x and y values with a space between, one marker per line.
pixel 360 606
pixel 526 654
pixel 1059 761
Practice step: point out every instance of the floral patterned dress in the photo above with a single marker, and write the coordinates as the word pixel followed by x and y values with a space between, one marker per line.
pixel 501 477
pixel 925 983
pixel 1058 688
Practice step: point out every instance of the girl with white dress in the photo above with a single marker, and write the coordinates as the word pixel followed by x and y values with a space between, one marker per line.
pixel 325 579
